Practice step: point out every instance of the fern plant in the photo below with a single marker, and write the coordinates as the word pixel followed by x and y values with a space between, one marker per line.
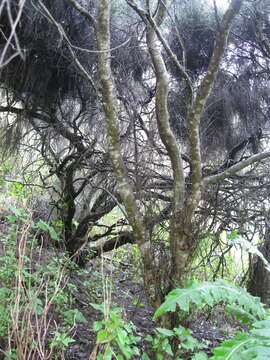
pixel 246 346
pixel 254 344
pixel 211 293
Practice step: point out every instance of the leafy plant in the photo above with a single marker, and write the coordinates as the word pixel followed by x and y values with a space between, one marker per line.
pixel 115 334
pixel 161 346
pixel 17 215
pixel 160 343
pixel 61 341
pixel 29 291
pixel 211 293
pixel 73 316
pixel 252 345
pixel 18 190
pixel 246 245
pixel 42 225
pixel 246 346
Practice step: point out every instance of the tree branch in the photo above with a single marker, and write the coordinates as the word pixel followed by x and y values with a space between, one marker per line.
pixel 203 93
pixel 165 132
pixel 111 244
pixel 111 112
pixel 234 169
pixel 83 12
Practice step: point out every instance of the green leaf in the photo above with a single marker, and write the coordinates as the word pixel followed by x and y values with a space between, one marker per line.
pixel 68 340
pixel 240 314
pixel 12 218
pixel 137 303
pixel 258 352
pixel 109 354
pixel 165 332
pixel 79 317
pixel 53 234
pixel 99 307
pixel 199 356
pixel 262 324
pixel 211 293
pixel 103 336
pixel 232 235
pixel 42 225
pixel 97 325
pixel 264 333
pixel 149 338
pixel 167 348
pixel 145 357
pixel 230 350
pixel 74 316
pixel 122 334
pixel 17 212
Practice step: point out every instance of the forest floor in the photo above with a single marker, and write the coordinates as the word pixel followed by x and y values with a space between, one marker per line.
pixel 124 293
pixel 127 293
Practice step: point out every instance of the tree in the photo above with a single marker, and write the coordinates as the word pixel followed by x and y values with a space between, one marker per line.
pixel 167 160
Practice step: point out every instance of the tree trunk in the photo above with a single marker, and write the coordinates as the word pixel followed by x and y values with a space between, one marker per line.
pixel 259 279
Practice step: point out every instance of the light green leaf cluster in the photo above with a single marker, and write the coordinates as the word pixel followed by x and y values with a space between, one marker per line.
pixel 211 293
pixel 115 334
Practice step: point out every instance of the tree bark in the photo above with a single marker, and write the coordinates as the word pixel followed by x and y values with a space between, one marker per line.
pixel 259 277
pixel 141 235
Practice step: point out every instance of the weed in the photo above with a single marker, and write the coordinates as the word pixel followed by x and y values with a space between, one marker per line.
pixel 115 335
pixel 35 301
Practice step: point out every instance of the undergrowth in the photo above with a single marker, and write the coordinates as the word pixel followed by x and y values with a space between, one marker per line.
pixel 117 341
pixel 38 313
pixel 37 318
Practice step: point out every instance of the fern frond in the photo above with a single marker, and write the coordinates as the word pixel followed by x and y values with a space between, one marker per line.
pixel 212 293
pixel 254 345
pixel 241 314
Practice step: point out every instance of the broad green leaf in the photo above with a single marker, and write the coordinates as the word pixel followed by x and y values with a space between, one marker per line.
pixel 165 332
pixel 99 307
pixel 103 336
pixel 265 333
pixel 199 356
pixel 211 293
pixel 109 354
pixel 97 325
pixel 53 234
pixel 231 349
pixel 262 324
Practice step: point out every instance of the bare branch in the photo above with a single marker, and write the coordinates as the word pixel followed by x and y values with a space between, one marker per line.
pixel 111 244
pixel 83 11
pixel 235 168
pixel 13 22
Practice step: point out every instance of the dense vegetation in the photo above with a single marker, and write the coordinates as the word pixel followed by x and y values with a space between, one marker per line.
pixel 134 138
